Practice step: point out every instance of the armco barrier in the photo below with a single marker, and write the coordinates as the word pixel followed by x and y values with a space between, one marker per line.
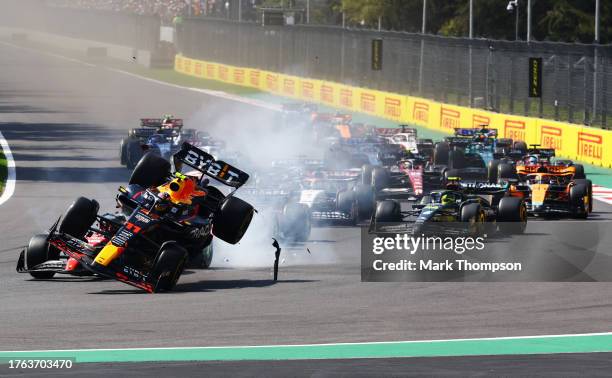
pixel 570 140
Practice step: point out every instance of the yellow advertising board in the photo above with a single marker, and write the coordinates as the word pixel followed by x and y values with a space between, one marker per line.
pixel 569 140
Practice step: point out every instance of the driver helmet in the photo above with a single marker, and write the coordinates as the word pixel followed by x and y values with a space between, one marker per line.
pixel 532 160
pixel 447 199
pixel 167 119
pixel 181 190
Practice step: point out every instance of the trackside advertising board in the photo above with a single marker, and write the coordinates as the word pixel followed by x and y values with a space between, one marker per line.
pixel 570 140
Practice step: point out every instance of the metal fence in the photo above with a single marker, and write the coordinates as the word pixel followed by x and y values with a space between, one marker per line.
pixel 577 79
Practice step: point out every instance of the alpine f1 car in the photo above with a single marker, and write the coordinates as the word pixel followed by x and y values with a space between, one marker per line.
pixel 474 205
pixel 166 220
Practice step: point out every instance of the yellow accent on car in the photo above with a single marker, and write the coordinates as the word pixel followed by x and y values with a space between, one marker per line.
pixel 109 253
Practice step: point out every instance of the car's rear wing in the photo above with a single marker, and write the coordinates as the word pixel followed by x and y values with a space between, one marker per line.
pixel 158 122
pixel 205 163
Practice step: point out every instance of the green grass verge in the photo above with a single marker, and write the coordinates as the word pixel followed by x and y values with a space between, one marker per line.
pixel 3 171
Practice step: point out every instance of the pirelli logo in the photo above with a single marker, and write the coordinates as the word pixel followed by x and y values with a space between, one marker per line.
pixel 420 112
pixel 210 70
pixel 223 73
pixel 590 145
pixel 368 102
pixel 514 130
pixel 272 82
pixel 449 118
pixel 238 75
pixel 346 98
pixel 187 65
pixel 307 90
pixel 480 120
pixel 197 69
pixel 289 87
pixel 254 78
pixel 327 94
pixel 393 107
pixel 551 137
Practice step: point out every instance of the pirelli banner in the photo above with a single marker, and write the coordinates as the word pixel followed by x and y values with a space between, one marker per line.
pixel 571 141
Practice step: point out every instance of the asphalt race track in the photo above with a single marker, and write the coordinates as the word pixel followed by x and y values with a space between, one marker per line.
pixel 63 121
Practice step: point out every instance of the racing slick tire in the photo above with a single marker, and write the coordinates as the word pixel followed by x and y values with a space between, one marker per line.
pixel 492 169
pixel 366 201
pixel 473 214
pixel 345 201
pixel 37 252
pixel 79 217
pixel 366 174
pixel 380 178
pixel 589 185
pixel 151 170
pixel 580 199
pixel 133 153
pixel 456 159
pixel 232 219
pixel 506 171
pixel 521 146
pixel 294 222
pixel 579 174
pixel 388 211
pixel 512 215
pixel 123 151
pixel 441 153
pixel 168 267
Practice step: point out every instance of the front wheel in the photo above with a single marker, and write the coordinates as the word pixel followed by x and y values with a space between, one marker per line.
pixel 168 266
pixel 79 217
pixel 232 220
pixel 38 252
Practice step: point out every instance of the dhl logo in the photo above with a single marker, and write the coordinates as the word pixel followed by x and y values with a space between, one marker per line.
pixel 449 118
pixel 289 86
pixel 368 102
pixel 346 98
pixel 307 89
pixel 551 137
pixel 420 112
pixel 327 93
pixel 210 71
pixel 223 73
pixel 480 120
pixel 393 107
pixel 238 75
pixel 197 70
pixel 272 82
pixel 514 130
pixel 254 78
pixel 590 145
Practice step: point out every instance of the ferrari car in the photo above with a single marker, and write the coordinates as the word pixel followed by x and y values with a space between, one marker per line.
pixel 165 221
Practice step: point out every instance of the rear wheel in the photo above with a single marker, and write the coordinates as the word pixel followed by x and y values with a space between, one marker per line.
pixel 151 170
pixel 580 199
pixel 506 171
pixel 37 252
pixel 168 266
pixel 79 217
pixel 232 219
pixel 492 171
pixel 474 216
pixel 388 211
pixel 380 178
pixel 521 146
pixel 579 174
pixel 366 174
pixel 133 153
pixel 294 222
pixel 512 215
pixel 364 196
pixel 440 154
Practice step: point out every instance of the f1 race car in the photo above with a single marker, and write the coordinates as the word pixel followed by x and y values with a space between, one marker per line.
pixel 166 220
pixel 162 136
pixel 336 197
pixel 469 204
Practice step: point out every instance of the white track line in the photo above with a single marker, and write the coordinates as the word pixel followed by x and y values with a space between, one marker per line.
pixel 9 188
